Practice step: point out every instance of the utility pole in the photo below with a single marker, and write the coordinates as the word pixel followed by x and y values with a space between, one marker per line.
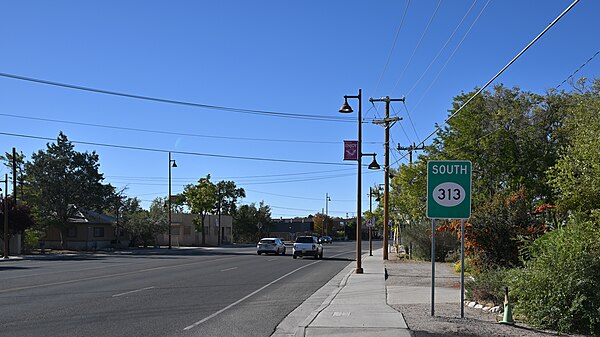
pixel 410 150
pixel 5 200
pixel 388 122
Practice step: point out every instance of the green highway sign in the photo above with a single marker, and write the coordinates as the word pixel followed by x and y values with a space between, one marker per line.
pixel 448 189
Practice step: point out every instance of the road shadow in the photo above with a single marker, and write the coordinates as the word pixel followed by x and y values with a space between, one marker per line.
pixel 15 268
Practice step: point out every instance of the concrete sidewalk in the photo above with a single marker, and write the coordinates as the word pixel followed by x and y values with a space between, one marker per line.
pixel 350 305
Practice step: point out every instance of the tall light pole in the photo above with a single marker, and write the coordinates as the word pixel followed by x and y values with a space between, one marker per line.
pixel 346 108
pixel 5 215
pixel 171 164
pixel 386 168
pixel 327 200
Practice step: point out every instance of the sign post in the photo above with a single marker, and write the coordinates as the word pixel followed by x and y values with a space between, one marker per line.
pixel 448 197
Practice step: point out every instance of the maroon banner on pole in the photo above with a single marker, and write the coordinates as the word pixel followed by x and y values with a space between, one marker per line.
pixel 350 150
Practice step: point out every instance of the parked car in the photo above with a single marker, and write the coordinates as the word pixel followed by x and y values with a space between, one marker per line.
pixel 326 239
pixel 308 246
pixel 270 246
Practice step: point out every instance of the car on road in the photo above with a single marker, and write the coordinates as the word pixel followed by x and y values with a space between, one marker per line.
pixel 270 246
pixel 307 246
pixel 326 239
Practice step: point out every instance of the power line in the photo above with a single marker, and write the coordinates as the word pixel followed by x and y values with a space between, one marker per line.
pixel 225 178
pixel 500 72
pixel 165 132
pixel 410 119
pixel 418 44
pixel 393 46
pixel 126 147
pixel 452 55
pixel 441 49
pixel 191 104
pixel 578 69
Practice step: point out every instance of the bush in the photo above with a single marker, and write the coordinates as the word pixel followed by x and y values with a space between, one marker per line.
pixel 468 266
pixel 418 236
pixel 487 286
pixel 558 287
pixel 31 239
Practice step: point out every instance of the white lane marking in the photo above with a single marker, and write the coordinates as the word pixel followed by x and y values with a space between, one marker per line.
pixel 253 293
pixel 111 275
pixel 228 269
pixel 131 292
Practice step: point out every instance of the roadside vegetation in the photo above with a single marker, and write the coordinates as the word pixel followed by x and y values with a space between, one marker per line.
pixel 535 222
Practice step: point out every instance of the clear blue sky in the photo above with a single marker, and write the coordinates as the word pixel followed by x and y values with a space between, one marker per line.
pixel 296 57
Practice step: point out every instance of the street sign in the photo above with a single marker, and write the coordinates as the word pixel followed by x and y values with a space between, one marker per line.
pixel 448 189
pixel 370 222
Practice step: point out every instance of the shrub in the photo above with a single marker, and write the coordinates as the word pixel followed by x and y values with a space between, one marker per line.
pixel 558 287
pixel 31 239
pixel 487 286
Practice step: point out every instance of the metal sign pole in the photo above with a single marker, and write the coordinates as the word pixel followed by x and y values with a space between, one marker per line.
pixel 432 267
pixel 462 268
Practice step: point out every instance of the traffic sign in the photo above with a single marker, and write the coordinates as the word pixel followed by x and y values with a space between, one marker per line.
pixel 448 189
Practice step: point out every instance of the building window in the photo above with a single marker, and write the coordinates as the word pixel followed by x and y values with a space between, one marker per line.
pixel 72 232
pixel 98 232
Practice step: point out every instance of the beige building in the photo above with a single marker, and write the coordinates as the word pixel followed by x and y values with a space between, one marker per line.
pixel 184 233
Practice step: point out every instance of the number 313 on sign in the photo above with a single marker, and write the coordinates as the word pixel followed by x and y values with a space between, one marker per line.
pixel 448 194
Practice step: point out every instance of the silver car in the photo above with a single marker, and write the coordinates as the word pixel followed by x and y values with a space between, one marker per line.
pixel 270 246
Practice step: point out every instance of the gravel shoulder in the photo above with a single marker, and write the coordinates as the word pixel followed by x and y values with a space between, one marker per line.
pixel 447 321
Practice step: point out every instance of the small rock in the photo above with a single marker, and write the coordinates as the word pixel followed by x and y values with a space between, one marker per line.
pixel 472 304
pixel 486 309
pixel 479 306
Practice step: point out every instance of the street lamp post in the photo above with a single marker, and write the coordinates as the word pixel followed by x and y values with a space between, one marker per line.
pixel 5 215
pixel 171 164
pixel 327 200
pixel 346 108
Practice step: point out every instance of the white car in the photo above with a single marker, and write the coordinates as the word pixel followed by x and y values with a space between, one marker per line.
pixel 270 246
pixel 308 246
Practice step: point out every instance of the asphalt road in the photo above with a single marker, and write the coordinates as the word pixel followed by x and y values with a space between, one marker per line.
pixel 181 292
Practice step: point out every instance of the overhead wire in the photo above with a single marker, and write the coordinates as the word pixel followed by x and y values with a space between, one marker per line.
pixel 452 55
pixel 441 49
pixel 126 147
pixel 123 128
pixel 418 44
pixel 177 102
pixel 410 119
pixel 393 46
pixel 578 69
pixel 454 114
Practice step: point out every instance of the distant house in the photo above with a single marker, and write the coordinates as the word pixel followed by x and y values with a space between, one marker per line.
pixel 289 229
pixel 87 230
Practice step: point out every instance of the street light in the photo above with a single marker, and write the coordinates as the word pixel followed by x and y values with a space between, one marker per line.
pixel 327 200
pixel 174 164
pixel 5 181
pixel 346 108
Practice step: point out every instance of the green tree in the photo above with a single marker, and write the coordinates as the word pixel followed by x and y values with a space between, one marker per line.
pixel 576 175
pixel 201 199
pixel 250 221
pixel 144 225
pixel 509 135
pixel 228 195
pixel 60 178
pixel 558 286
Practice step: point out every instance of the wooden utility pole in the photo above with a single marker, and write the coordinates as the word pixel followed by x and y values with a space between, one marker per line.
pixel 410 150
pixel 388 122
